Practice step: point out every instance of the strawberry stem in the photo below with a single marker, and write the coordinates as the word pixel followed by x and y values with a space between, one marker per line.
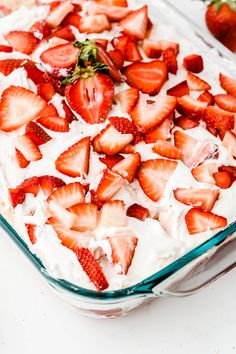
pixel 219 3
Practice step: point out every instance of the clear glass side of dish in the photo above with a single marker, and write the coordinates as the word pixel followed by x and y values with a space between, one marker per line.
pixel 186 275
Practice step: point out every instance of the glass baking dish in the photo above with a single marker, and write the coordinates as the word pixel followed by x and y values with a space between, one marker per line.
pixel 186 275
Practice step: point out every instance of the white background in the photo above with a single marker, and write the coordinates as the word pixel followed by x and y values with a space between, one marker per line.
pixel 34 321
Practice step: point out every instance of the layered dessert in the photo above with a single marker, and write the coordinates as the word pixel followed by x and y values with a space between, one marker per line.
pixel 118 140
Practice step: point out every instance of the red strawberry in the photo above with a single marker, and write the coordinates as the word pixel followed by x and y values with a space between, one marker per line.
pixel 196 197
pixel 137 211
pixel 229 142
pixel 120 43
pixel 113 214
pixel 49 111
pixel 222 179
pixel 147 116
pixel 46 91
pixel 127 99
pixel 179 90
pixel 128 149
pixel 132 52
pixel 16 196
pixel 33 73
pixel 22 41
pixel 72 19
pixel 123 248
pixel 200 221
pixel 169 57
pixel 94 24
pixel 36 133
pixel 218 118
pixel 40 29
pixel 9 65
pixel 228 84
pixel 230 169
pixel 110 141
pixel 68 113
pixel 28 148
pixel 191 107
pixel 72 239
pixel 54 123
pixel 68 195
pixel 19 106
pixel 30 185
pixel 102 41
pixel 49 183
pixel 74 161
pixel 60 216
pixel 125 126
pixel 86 216
pixel 31 232
pixel 58 13
pixel 147 77
pixel 154 49
pixel 206 96
pixel 135 24
pixel 166 149
pixel 91 98
pixel 21 160
pixel 153 176
pixel 109 185
pixel 95 200
pixel 128 167
pixel 111 161
pixel 117 57
pixel 61 56
pixel 64 33
pixel 113 13
pixel 104 57
pixel 203 173
pixel 195 83
pixel 92 268
pixel 213 131
pixel 122 3
pixel 186 123
pixel 193 63
pixel 159 133
pixel 5 48
pixel 226 102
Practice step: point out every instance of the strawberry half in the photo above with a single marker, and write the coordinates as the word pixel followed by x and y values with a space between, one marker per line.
pixel 194 63
pixel 127 168
pixel 203 199
pixel 191 107
pixel 74 161
pixel 203 173
pixel 137 211
pixel 147 77
pixel 21 160
pixel 200 221
pixel 36 133
pixel 22 41
pixel 169 57
pixel 179 90
pixel 7 66
pixel 86 216
pixel 159 133
pixel 196 84
pixel 226 102
pixel 153 176
pixel 61 56
pixel 58 13
pixel 229 142
pixel 54 123
pixel 19 106
pixel 127 99
pixel 135 24
pixel 228 84
pixel 72 239
pixel 222 179
pixel 31 232
pixel 68 195
pixel 113 214
pixel 28 148
pixel 166 149
pixel 218 118
pixel 49 183
pixel 94 24
pixel 109 185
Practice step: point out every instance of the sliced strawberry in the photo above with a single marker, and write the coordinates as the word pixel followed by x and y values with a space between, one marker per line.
pixel 123 248
pixel 230 169
pixel 62 35
pixel 74 161
pixel 33 73
pixel 200 221
pixel 19 106
pixel 40 29
pixel 191 107
pixel 60 215
pixel 49 111
pixel 68 113
pixel 203 173
pixel 203 199
pixel 147 77
pixel 21 160
pixel 169 57
pixel 154 49
pixel 222 179
pixel 207 97
pixel 102 41
pixel 36 133
pixel 113 13
pixel 58 13
pixel 128 149
pixel 113 214
pixel 49 183
pixel 147 116
pixel 72 239
pixel 91 98
pixel 166 149
pixel 28 148
pixel 22 41
pixel 127 99
pixel 111 161
pixel 186 123
pixel 46 91
pixel 110 141
pixel 196 84
pixel 135 24
pixel 72 19
pixel 218 118
pixel 31 232
pixel 125 126
pixel 92 268
pixel 213 131
pixel 179 90
pixel 117 57
pixel 228 84
pixel 153 176
pixel 95 200
pixel 7 66
pixel 229 142
pixel 137 211
pixel 159 133
pixel 226 102
pixel 122 3
pixel 16 196
pixel 68 195
pixel 86 216
pixel 132 52
pixel 194 63
pixel 128 167
pixel 109 185
pixel 5 48
pixel 94 24
pixel 56 124
pixel 30 185
pixel 120 43
pixel 61 56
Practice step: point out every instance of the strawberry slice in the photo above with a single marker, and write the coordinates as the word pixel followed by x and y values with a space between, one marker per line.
pixel 113 214
pixel 111 161
pixel 68 195
pixel 54 123
pixel 74 161
pixel 117 57
pixel 58 13
pixel 229 142
pixel 122 3
pixel 137 211
pixel 31 232
pixel 36 133
pixel 61 216
pixel 127 99
pixel 226 102
pixel 62 35
pixel 128 167
pixel 203 199
pixel 132 52
pixel 92 268
pixel 123 248
pixel 120 43
pixel 230 169
pixel 153 176
pixel 159 133
pixel 186 123
pixel 206 96
pixel 218 118
pixel 69 116
pixel 147 116
pixel 110 141
pixel 169 57
pixel 91 98
pixel 95 200
pixel 135 24
pixel 147 77
pixel 19 106
pixel 30 185
pixel 46 91
pixel 196 84
pixel 166 149
pixel 203 173
pixel 125 126
pixel 94 24
pixel 113 13
pixel 28 148
pixel 179 90
pixel 5 48
pixel 194 63
pixel 103 56
pixel 33 73
pixel 72 19
pixel 154 49
pixel 191 107
pixel 200 221
pixel 49 111
pixel 40 29
pixel 21 160
pixel 22 41
pixel 49 183
pixel 72 239
pixel 86 216
pixel 222 179
pixel 61 56
pixel 7 66
pixel 16 196
pixel 228 84
pixel 109 185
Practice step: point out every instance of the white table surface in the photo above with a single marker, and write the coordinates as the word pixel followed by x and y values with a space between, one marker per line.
pixel 34 321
